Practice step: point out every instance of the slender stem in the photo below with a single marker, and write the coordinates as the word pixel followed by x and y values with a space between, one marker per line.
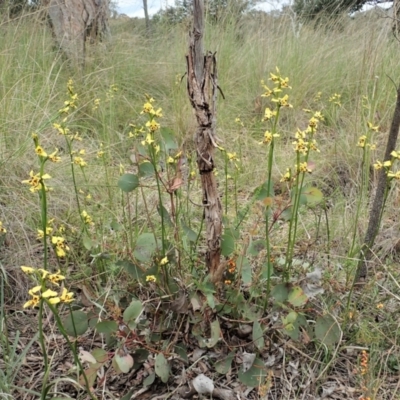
pixel 44 351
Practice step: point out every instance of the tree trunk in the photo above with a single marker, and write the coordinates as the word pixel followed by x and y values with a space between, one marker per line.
pixel 146 15
pixel 75 21
pixel 202 89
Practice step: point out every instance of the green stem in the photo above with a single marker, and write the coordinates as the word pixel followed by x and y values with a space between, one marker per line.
pixel 44 351
pixel 71 346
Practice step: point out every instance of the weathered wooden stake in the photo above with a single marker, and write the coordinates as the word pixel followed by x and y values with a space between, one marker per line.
pixel 202 89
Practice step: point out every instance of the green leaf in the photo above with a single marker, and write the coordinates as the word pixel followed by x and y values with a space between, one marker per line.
pixel 87 242
pixel 124 362
pixel 312 196
pixel 146 169
pixel 128 395
pixel 261 193
pixel 131 314
pixel 139 357
pixel 132 269
pixel 255 247
pixel 145 247
pixel 78 319
pixel 168 143
pixel 128 182
pixel 227 245
pixel 107 327
pixel 258 335
pixel 280 292
pixel 100 355
pixel 91 375
pixel 243 264
pixel 181 350
pixel 223 366
pixel 162 211
pixel 190 234
pixel 149 380
pixel 255 375
pixel 327 330
pixel 297 297
pixel 162 367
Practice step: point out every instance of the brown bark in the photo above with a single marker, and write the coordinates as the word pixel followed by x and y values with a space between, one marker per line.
pixel 202 89
pixel 76 21
pixel 378 204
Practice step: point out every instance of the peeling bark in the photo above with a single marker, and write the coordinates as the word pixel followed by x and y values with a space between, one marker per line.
pixel 76 21
pixel 202 89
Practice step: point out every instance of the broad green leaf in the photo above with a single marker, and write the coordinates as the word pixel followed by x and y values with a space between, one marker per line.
pixel 91 375
pixel 297 297
pixel 280 292
pixel 132 269
pixel 100 355
pixel 258 335
pixel 227 245
pixel 163 213
pixel 255 247
pixel 131 314
pixel 87 242
pixel 327 330
pixel 255 375
pixel 162 367
pixel 261 193
pixel 128 182
pixel 146 169
pixel 181 350
pixel 168 143
pixel 223 366
pixel 145 247
pixel 243 265
pixel 124 362
pixel 107 327
pixel 312 195
pixel 149 380
pixel 77 319
pixel 190 234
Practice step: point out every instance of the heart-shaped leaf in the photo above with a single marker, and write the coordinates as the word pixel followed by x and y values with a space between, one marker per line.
pixel 145 247
pixel 327 330
pixel 128 182
pixel 76 323
pixel 131 314
pixel 162 367
pixel 297 297
pixel 255 375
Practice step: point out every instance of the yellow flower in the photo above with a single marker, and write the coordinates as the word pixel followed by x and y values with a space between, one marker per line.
pixel 303 167
pixel 164 261
pixel 66 297
pixel 2 229
pixel 300 146
pixel 53 157
pixel 151 278
pixel 395 154
pixel 157 113
pixel 170 160
pixel 287 176
pixel 283 101
pixel 395 175
pixel 149 139
pixel 49 293
pixel 153 125
pixel 40 234
pixel 319 115
pixel 55 278
pixel 28 270
pixel 372 127
pixel 313 123
pixel 268 137
pixel 378 165
pixel 35 181
pixel 60 245
pixel 335 99
pixel 61 130
pixel 44 273
pixel 387 163
pixel 379 306
pixel 54 300
pixel 33 302
pixel 147 108
pixel 87 218
pixel 80 161
pixel 361 141
pixel 40 152
pixel 232 156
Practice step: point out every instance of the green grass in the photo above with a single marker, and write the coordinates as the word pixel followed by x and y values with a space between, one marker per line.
pixel 354 58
